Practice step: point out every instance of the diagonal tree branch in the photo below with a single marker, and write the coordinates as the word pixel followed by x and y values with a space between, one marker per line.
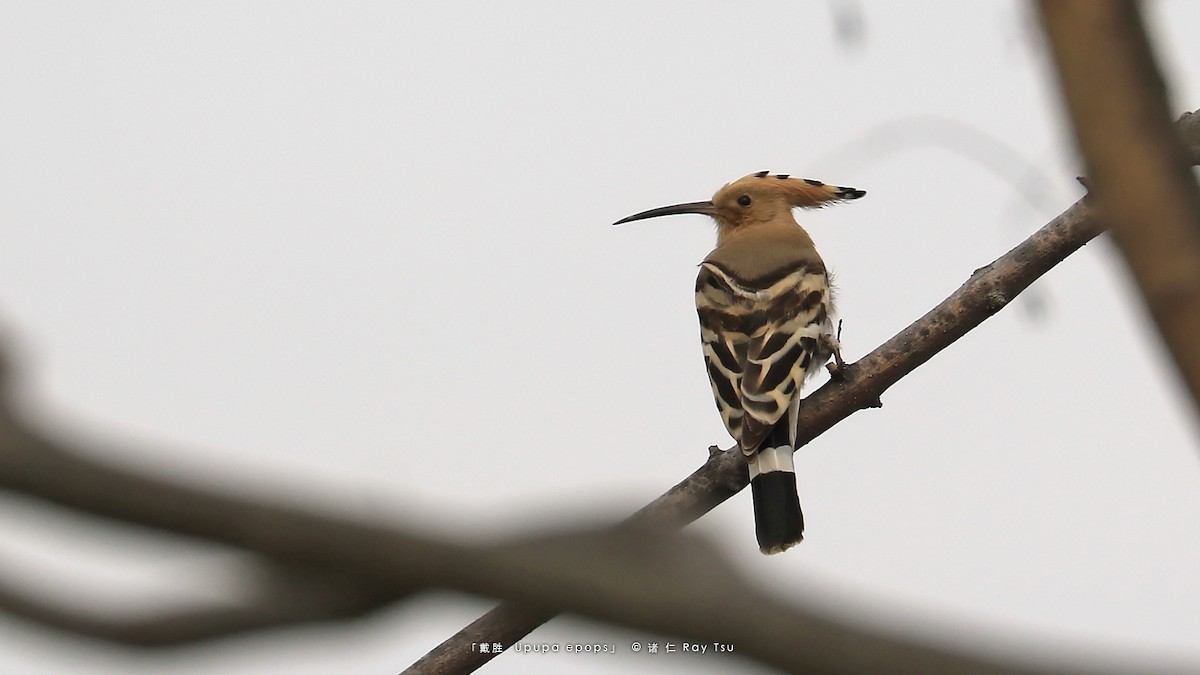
pixel 859 386
pixel 988 291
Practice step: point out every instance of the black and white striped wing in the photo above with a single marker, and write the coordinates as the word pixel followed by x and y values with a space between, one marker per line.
pixel 724 321
pixel 785 346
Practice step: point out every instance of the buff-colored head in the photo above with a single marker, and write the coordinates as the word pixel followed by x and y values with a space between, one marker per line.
pixel 758 198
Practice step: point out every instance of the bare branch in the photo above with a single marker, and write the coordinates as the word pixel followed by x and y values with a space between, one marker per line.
pixel 1138 170
pixel 860 386
pixel 987 291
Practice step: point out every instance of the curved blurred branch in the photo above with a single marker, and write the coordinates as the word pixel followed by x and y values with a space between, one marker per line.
pixel 379 563
pixel 634 575
pixel 1138 170
pixel 282 597
pixel 623 576
pixel 635 582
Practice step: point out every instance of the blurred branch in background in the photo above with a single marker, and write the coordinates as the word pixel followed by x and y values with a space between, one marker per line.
pixel 278 596
pixel 1138 171
pixel 637 576
pixel 317 566
pixel 311 566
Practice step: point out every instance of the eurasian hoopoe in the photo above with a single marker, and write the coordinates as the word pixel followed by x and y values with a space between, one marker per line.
pixel 766 309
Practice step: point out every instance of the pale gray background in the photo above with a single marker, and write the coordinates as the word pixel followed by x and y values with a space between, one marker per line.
pixel 361 253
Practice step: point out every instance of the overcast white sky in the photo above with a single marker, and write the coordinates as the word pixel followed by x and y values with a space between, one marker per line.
pixel 361 254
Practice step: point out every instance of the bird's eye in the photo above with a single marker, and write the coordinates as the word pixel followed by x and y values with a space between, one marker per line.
pixel 744 200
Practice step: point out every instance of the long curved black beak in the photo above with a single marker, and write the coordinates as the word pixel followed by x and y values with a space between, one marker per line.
pixel 703 208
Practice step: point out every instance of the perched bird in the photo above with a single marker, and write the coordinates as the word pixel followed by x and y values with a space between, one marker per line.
pixel 765 306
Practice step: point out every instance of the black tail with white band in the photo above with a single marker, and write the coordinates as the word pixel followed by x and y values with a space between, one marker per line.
pixel 778 520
